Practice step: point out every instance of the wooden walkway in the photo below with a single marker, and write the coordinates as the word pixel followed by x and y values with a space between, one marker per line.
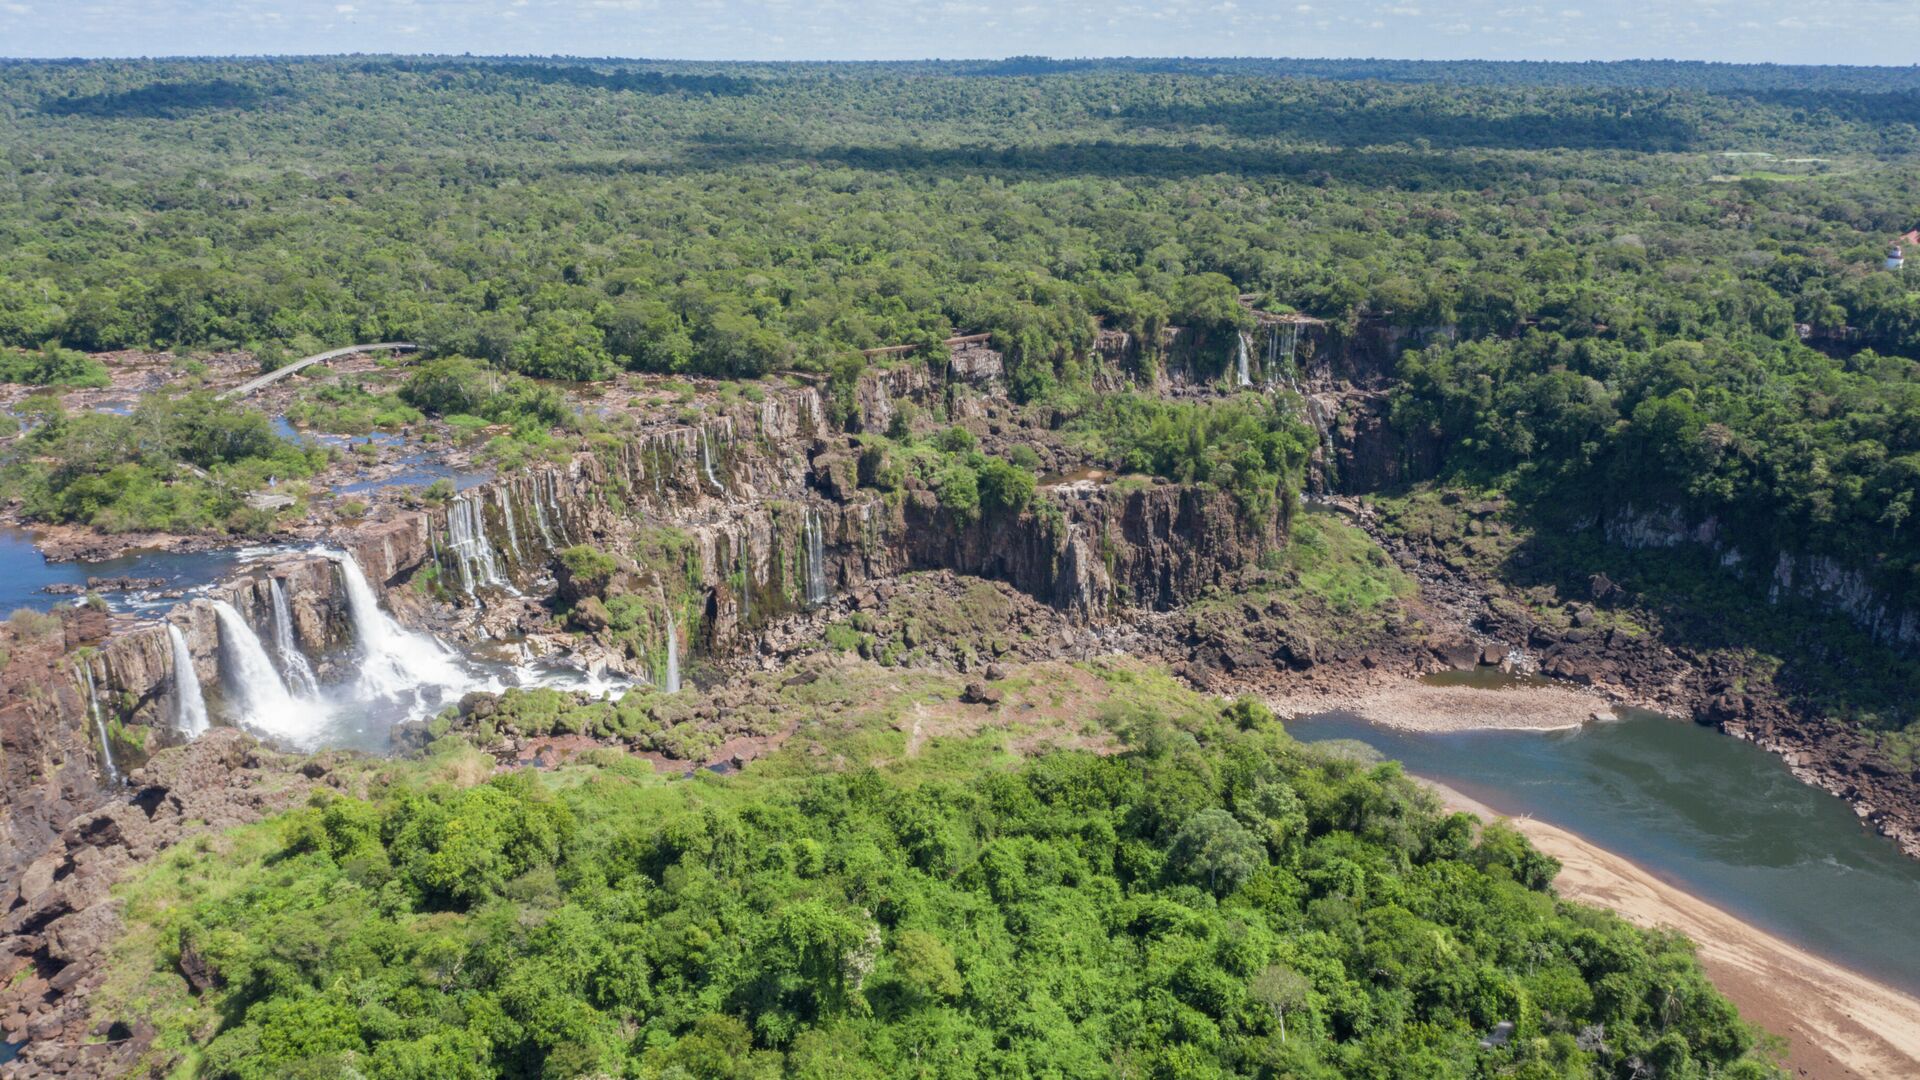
pixel 963 339
pixel 271 377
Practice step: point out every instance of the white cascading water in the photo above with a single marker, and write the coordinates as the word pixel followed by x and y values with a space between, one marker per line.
pixel 100 724
pixel 472 552
pixel 553 504
pixel 189 704
pixel 1245 377
pixel 506 514
pixel 540 507
pixel 394 660
pixel 293 663
pixel 671 684
pixel 263 701
pixel 706 462
pixel 1285 343
pixel 816 559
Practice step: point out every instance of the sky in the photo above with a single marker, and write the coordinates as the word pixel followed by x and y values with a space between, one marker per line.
pixel 1781 31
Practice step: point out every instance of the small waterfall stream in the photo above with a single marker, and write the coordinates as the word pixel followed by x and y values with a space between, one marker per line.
pixel 293 663
pixel 1283 346
pixel 671 684
pixel 1243 377
pixel 540 480
pixel 189 704
pixel 812 531
pixel 706 462
pixel 513 530
pixel 100 724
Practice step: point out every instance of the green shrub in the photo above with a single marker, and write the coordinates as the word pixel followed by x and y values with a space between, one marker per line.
pixel 51 365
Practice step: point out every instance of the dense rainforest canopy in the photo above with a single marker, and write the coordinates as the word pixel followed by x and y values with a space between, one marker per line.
pixel 1217 901
pixel 1637 261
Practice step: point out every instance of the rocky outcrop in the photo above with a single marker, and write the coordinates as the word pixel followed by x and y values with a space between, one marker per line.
pixel 50 757
pixel 60 917
pixel 1369 452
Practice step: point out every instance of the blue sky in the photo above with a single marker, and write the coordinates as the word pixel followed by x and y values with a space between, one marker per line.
pixel 1785 31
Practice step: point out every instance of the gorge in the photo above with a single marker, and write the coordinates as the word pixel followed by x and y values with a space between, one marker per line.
pixel 761 526
pixel 761 518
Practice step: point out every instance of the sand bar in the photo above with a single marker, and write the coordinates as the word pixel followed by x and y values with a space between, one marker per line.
pixel 1417 706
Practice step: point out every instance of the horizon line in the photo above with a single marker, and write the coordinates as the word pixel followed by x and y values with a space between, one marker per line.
pixel 1117 58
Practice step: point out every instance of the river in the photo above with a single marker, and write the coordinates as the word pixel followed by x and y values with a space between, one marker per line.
pixel 1718 817
pixel 25 572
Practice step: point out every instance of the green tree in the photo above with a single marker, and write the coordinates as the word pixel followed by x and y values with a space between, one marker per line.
pixel 561 344
pixel 1215 849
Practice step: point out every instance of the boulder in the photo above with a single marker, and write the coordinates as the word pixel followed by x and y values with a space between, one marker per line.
pixel 1456 653
pixel 196 970
pixel 979 693
pixel 837 475
pixel 590 615
pixel 82 624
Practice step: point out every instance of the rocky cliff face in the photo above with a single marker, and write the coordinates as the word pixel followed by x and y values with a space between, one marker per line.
pixel 1784 575
pixel 736 521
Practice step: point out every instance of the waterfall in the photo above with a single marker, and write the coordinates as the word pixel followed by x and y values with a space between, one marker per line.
pixel 263 699
pixel 553 503
pixel 1323 425
pixel 816 559
pixel 1283 346
pixel 394 660
pixel 540 507
pixel 1244 378
pixel 293 664
pixel 506 513
pixel 472 552
pixel 1289 333
pixel 100 724
pixel 672 682
pixel 189 705
pixel 706 462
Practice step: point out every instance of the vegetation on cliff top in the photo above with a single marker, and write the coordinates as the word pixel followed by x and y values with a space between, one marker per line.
pixel 1215 901
pixel 180 464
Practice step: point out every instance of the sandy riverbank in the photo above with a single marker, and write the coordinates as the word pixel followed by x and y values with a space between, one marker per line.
pixel 1417 706
pixel 1838 1025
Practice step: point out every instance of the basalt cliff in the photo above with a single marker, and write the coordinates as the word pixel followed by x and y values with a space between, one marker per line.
pixel 741 530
